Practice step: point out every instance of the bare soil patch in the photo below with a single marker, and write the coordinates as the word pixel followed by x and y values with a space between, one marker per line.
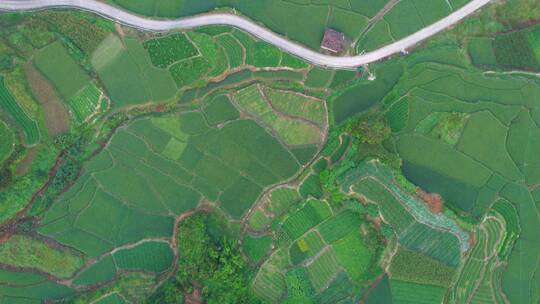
pixel 195 297
pixel 432 200
pixel 56 115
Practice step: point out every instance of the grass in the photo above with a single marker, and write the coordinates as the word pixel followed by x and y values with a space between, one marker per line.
pixel 60 68
pixel 256 247
pixel 169 49
pixel 24 251
pixel 10 105
pixel 148 256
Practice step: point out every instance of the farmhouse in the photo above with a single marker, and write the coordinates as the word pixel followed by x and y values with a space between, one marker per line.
pixel 333 41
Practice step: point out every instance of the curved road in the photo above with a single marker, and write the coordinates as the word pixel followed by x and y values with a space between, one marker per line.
pixel 301 51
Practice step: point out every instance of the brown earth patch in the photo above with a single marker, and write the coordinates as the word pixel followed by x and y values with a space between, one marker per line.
pixel 24 165
pixel 195 297
pixel 432 200
pixel 55 114
pixel 472 239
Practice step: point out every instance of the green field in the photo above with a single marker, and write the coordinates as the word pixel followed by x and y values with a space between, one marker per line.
pixel 128 74
pixel 347 104
pixel 102 270
pixel 86 102
pixel 148 256
pixel 411 266
pixel 169 49
pixel 404 18
pixel 208 166
pixel 404 292
pixel 256 247
pixel 61 69
pixel 481 52
pixel 322 269
pixel 311 214
pixel 290 129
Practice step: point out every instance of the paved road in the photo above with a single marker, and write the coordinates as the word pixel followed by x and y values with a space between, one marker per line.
pixel 130 19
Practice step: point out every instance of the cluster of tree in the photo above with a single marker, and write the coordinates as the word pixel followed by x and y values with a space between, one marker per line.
pixel 514 50
pixel 210 262
pixel 6 174
pixel 84 30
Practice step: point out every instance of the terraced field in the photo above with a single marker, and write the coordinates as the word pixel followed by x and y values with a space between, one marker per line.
pixel 209 166
pixel 16 112
pixel 479 281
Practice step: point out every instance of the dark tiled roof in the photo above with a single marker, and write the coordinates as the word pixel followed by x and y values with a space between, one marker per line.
pixel 333 40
